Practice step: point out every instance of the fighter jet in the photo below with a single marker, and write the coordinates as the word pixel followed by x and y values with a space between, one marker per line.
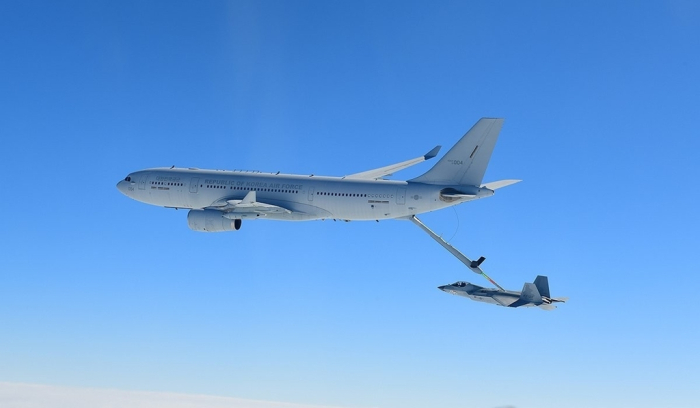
pixel 533 294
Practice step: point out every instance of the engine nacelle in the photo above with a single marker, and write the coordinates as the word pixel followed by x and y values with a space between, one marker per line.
pixel 211 221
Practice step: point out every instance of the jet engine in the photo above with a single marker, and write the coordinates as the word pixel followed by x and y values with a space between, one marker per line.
pixel 211 221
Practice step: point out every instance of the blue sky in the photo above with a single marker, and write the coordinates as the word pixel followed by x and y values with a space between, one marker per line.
pixel 601 105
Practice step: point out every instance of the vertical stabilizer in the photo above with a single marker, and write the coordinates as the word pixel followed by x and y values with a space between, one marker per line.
pixel 466 162
pixel 530 294
pixel 542 284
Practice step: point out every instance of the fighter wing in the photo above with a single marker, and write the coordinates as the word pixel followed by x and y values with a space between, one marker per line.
pixel 248 205
pixel 504 300
pixel 376 174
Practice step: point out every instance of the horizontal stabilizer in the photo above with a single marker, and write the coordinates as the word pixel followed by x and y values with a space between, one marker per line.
pixel 495 185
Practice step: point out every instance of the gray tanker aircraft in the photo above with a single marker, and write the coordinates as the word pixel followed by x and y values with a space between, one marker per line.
pixel 533 294
pixel 221 200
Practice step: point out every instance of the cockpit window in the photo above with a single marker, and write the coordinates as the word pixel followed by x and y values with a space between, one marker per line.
pixel 459 284
pixel 127 178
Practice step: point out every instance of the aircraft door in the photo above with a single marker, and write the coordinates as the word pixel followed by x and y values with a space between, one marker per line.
pixel 194 184
pixel 142 181
pixel 401 196
pixel 311 194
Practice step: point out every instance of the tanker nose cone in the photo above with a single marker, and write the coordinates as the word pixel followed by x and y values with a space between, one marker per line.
pixel 122 186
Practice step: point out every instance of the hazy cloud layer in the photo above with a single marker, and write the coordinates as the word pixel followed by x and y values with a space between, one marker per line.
pixel 17 395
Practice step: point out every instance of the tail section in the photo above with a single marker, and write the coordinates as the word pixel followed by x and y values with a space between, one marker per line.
pixel 531 294
pixel 542 284
pixel 466 162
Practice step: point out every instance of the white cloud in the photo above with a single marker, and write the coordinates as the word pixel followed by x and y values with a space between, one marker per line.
pixel 18 395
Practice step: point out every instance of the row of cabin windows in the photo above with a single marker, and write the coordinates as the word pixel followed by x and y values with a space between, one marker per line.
pixel 271 190
pixel 324 193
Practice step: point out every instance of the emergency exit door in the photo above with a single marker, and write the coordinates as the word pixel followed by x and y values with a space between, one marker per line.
pixel 401 196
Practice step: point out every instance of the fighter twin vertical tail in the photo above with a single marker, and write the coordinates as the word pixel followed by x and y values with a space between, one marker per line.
pixel 542 284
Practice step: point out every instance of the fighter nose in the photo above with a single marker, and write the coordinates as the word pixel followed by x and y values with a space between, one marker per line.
pixel 442 288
